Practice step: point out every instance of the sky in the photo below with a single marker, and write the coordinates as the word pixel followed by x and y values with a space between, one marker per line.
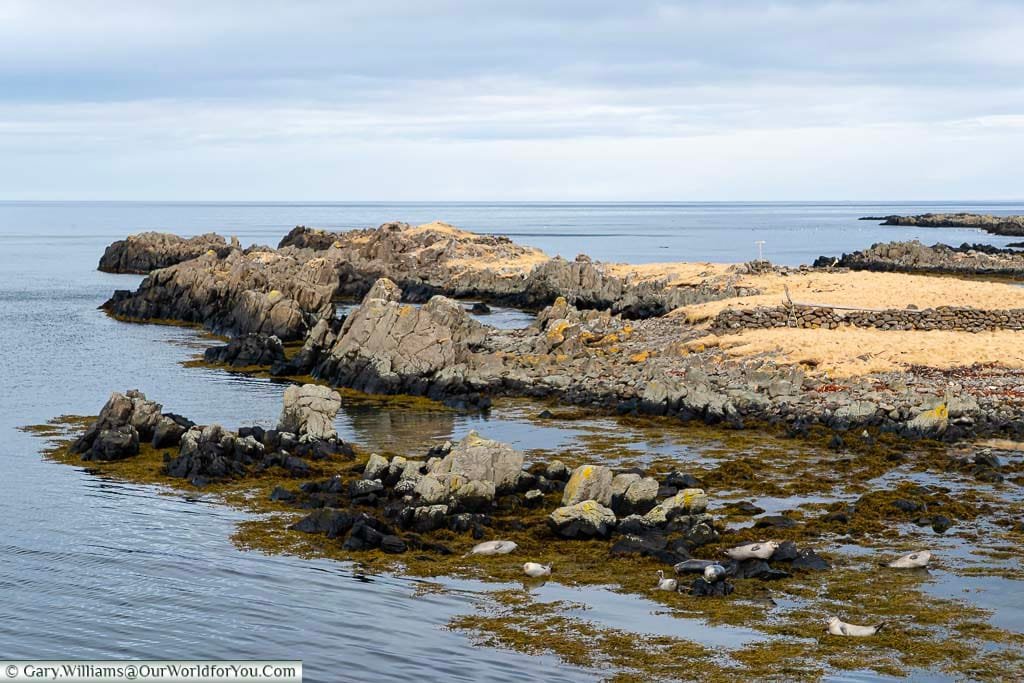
pixel 571 100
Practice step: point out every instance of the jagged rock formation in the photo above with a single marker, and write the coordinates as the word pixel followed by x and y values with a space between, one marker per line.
pixel 285 291
pixel 268 292
pixel 124 421
pixel 915 257
pixel 388 347
pixel 996 225
pixel 148 251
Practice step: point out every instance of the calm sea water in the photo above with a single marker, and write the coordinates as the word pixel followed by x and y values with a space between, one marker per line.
pixel 98 569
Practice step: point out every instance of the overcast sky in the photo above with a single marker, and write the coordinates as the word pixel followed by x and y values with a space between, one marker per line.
pixel 478 100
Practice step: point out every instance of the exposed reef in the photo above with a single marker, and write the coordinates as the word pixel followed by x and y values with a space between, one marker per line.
pixel 915 257
pixel 148 251
pixel 996 225
pixel 601 525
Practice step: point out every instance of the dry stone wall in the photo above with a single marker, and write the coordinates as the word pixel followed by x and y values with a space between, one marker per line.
pixel 941 318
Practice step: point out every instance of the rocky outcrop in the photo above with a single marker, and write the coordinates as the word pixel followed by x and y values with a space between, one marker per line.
pixel 284 291
pixel 259 292
pixel 309 411
pixel 308 238
pixel 997 225
pixel 387 347
pixel 248 350
pixel 148 251
pixel 125 421
pixel 915 257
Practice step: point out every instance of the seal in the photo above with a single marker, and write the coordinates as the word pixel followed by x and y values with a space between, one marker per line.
pixel 914 560
pixel 753 551
pixel 693 566
pixel 666 584
pixel 714 572
pixel 535 570
pixel 838 627
pixel 494 548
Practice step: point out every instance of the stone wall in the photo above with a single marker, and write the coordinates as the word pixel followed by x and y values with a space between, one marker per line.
pixel 941 318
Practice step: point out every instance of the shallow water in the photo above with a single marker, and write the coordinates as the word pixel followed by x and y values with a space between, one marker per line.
pixel 94 568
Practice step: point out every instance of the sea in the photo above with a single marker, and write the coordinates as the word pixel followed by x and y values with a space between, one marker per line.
pixel 92 568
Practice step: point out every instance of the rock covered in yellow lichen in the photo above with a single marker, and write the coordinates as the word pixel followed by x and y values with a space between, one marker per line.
pixel 589 482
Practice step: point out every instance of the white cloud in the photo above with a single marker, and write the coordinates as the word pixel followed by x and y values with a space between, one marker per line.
pixel 573 100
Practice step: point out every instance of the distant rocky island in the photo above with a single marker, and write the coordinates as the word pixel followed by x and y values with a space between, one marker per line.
pixel 996 225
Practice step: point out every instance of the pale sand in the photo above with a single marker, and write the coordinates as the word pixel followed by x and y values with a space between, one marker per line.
pixel 865 290
pixel 852 351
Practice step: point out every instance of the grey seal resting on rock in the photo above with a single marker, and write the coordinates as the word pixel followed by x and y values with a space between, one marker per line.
pixel 753 551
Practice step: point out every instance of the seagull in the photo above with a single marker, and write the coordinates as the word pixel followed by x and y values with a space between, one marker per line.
pixel 714 572
pixel 494 548
pixel 914 560
pixel 666 584
pixel 535 570
pixel 840 628
pixel 751 551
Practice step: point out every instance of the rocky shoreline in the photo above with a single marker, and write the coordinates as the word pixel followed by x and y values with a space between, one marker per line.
pixel 996 225
pixel 970 260
pixel 596 353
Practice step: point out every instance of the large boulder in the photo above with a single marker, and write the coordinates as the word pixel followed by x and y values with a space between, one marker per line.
pixel 309 410
pixel 478 459
pixel 588 519
pixel 388 347
pixel 589 482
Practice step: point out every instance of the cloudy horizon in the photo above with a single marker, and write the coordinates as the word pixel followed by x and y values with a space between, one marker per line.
pixel 398 100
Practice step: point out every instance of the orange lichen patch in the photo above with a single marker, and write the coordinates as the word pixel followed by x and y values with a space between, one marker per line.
pixel 849 352
pixel 640 357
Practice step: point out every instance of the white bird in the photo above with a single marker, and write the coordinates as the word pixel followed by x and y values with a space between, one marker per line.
pixel 494 548
pixel 914 560
pixel 535 570
pixel 752 551
pixel 840 628
pixel 666 584
pixel 714 572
